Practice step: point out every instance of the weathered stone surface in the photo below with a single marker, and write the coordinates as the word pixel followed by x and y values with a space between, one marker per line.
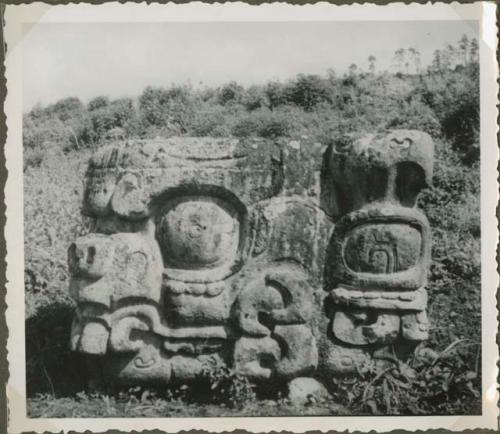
pixel 380 248
pixel 378 299
pixel 364 327
pixel 336 359
pixel 109 269
pixel 306 390
pixel 415 326
pixel 255 357
pixel 279 295
pixel 390 166
pixel 289 352
pixel 295 229
pixel 131 180
pixel 89 337
pixel 196 232
pixel 299 354
pixel 280 259
pixel 147 365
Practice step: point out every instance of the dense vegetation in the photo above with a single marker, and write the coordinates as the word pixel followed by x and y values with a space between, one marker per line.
pixel 442 99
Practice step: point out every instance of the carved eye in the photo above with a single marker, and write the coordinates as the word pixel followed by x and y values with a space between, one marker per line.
pixel 91 255
pixel 410 180
pixel 72 258
pixel 376 183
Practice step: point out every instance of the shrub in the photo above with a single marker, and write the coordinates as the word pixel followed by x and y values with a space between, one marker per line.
pixel 53 192
pixel 209 120
pixel 248 126
pixel 66 108
pixel 275 126
pixel 62 124
pixel 263 123
pixel 309 90
pixel 255 98
pixel 109 119
pixel 428 383
pixel 230 93
pixel 454 97
pixel 414 115
pixel 171 109
pixel 97 103
pixel 276 93
pixel 229 387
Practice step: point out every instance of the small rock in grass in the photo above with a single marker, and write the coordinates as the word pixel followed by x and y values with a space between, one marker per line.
pixel 304 390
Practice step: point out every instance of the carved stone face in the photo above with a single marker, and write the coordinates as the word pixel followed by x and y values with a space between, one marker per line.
pixel 382 240
pixel 197 232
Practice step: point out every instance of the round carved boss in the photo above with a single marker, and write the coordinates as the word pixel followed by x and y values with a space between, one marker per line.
pixel 198 232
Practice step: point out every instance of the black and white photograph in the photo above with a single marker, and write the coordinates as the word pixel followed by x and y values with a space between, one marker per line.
pixel 227 216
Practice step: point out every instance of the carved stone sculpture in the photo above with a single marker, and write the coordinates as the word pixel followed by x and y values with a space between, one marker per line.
pixel 380 249
pixel 217 251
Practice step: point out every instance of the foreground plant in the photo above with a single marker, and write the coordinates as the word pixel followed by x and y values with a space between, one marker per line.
pixel 428 382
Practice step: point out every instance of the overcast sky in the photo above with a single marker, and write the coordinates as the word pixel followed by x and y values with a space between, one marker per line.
pixel 86 60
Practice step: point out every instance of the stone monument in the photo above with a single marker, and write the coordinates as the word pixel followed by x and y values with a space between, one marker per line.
pixel 279 259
